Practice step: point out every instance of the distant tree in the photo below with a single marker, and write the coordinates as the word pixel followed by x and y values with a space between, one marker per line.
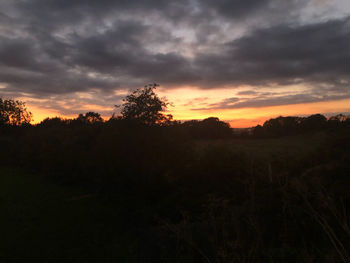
pixel 338 118
pixel 53 122
pixel 314 122
pixel 209 128
pixel 347 120
pixel 216 128
pixel 89 118
pixel 14 113
pixel 282 125
pixel 291 125
pixel 258 131
pixel 144 106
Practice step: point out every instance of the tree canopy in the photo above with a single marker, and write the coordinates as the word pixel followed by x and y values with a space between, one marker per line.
pixel 90 118
pixel 144 106
pixel 14 113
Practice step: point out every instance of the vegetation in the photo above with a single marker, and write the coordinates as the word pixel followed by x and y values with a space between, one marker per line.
pixel 282 126
pixel 145 107
pixel 44 222
pixel 144 188
pixel 14 112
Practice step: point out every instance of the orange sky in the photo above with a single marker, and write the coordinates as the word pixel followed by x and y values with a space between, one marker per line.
pixel 248 117
pixel 188 98
pixel 185 100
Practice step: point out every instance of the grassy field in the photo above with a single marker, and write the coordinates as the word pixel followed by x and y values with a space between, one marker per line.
pixel 230 198
pixel 42 222
pixel 271 147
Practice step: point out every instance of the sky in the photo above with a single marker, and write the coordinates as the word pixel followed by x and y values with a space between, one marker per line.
pixel 242 61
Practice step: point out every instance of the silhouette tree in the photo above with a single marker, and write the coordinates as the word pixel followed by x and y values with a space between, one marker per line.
pixel 209 128
pixel 314 122
pixel 14 113
pixel 53 122
pixel 258 131
pixel 144 106
pixel 90 118
pixel 282 125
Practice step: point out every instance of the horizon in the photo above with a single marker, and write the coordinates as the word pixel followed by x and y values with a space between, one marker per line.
pixel 232 123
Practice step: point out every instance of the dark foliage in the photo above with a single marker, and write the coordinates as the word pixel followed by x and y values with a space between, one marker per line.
pixel 283 126
pixel 210 128
pixel 13 113
pixel 144 106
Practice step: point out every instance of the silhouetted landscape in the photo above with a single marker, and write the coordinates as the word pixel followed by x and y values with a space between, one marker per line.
pixel 184 131
pixel 143 187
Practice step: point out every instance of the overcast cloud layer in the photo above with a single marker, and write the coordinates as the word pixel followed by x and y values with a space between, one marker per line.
pixel 56 49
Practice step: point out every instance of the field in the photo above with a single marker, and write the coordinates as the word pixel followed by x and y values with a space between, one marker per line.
pixel 271 147
pixel 232 200
pixel 43 222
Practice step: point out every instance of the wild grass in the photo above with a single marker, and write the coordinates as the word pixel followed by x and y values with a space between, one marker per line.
pixel 44 222
pixel 130 196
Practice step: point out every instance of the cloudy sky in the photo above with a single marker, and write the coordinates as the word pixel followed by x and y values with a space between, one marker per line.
pixel 243 61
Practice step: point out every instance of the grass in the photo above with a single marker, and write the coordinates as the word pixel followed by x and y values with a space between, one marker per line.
pixel 295 144
pixel 42 222
pixel 253 179
pixel 287 150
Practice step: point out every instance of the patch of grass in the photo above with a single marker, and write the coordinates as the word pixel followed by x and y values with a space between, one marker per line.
pixel 42 222
pixel 270 148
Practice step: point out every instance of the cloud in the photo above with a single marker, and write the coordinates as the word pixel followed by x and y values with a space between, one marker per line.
pixel 247 92
pixel 63 47
pixel 268 9
pixel 277 100
pixel 315 54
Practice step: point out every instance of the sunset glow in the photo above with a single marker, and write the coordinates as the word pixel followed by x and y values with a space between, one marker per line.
pixel 182 109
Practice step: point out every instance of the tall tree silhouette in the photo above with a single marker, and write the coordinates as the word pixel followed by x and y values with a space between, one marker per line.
pixel 144 106
pixel 14 112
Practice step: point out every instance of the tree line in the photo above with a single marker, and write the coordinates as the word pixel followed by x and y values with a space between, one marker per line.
pixel 144 107
pixel 296 125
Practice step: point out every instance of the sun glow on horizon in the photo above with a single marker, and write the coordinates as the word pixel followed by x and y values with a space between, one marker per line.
pixel 187 99
pixel 238 118
pixel 40 114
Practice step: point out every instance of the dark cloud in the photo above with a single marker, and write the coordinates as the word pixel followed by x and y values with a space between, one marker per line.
pixel 237 9
pixel 247 92
pixel 68 105
pixel 283 54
